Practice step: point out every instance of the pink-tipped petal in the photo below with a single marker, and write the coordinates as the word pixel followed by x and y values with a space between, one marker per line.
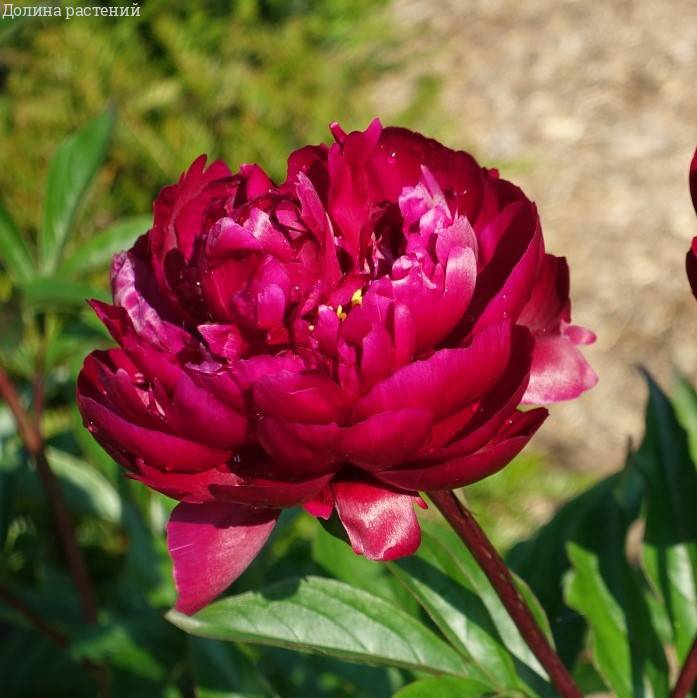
pixel 381 523
pixel 211 545
pixel 559 372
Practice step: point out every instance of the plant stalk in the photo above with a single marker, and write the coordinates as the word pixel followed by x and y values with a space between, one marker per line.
pixel 464 524
pixel 33 440
pixel 688 674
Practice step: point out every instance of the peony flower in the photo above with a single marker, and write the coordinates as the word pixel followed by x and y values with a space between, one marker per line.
pixel 360 333
pixel 691 261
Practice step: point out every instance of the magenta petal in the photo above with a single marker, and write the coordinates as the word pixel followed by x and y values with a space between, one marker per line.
pixel 468 469
pixel 385 439
pixel 559 372
pixel 211 545
pixel 447 380
pixel 381 523
pixel 301 397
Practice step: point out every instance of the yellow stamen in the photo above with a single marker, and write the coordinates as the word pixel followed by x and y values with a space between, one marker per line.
pixel 357 297
pixel 340 312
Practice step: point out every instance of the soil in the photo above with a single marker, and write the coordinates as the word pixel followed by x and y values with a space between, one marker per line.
pixel 591 107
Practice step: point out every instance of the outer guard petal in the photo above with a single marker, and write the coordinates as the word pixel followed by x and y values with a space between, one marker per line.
pixel 211 545
pixel 381 523
pixel 559 372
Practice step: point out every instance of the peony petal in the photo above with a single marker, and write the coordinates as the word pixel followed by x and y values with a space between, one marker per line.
pixel 447 380
pixel 464 471
pixel 505 284
pixel 559 372
pixel 211 545
pixel 548 304
pixel 385 439
pixel 259 492
pixel 300 397
pixel 381 523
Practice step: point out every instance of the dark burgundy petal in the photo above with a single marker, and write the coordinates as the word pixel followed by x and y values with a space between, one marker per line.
pixel 185 487
pixel 385 439
pixel 506 283
pixel 152 361
pixel 260 492
pixel 559 372
pixel 446 381
pixel 549 302
pixel 159 448
pixel 468 469
pixel 311 448
pixel 196 413
pixel 211 545
pixel 381 523
pixel 300 397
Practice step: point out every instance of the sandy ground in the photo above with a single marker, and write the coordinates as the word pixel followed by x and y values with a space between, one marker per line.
pixel 592 108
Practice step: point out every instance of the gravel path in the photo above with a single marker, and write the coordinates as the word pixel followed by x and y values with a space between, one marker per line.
pixel 592 108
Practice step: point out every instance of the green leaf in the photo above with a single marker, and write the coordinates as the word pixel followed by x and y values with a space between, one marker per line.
pixel 222 670
pixel 31 665
pixel 72 169
pixel 141 649
pixel 685 405
pixel 86 490
pixel 626 647
pixel 58 293
pixel 437 581
pixel 670 539
pixel 324 616
pixel 542 560
pixel 14 253
pixel 471 574
pixel 444 687
pixel 96 253
pixel 336 557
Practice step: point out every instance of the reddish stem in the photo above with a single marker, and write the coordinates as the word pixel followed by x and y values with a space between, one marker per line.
pixel 688 674
pixel 33 441
pixel 462 521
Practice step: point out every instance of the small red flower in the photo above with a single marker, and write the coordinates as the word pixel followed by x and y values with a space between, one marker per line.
pixel 691 261
pixel 364 331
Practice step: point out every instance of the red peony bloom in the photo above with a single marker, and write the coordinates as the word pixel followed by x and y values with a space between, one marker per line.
pixel 691 261
pixel 360 333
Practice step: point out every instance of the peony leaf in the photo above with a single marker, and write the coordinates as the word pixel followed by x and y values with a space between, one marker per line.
pixel 58 293
pixel 97 252
pixel 445 687
pixel 222 670
pixel 447 582
pixel 323 616
pixel 610 593
pixel 72 169
pixel 685 405
pixel 670 540
pixel 87 492
pixel 14 253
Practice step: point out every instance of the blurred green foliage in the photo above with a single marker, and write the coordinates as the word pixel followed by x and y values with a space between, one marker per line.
pixel 250 81
pixel 245 80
